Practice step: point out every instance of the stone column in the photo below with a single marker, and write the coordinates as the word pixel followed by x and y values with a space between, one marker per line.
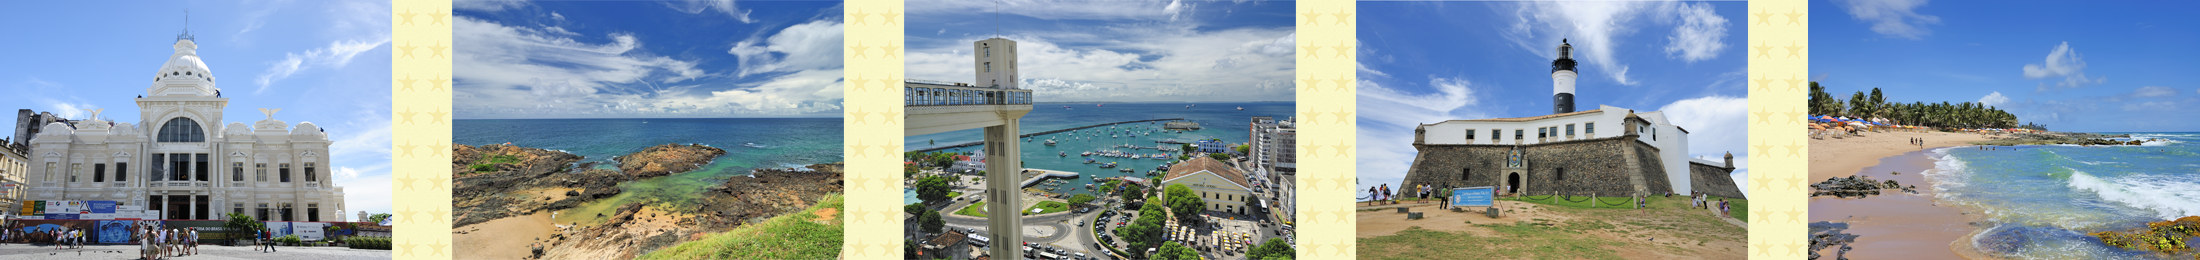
pixel 1003 170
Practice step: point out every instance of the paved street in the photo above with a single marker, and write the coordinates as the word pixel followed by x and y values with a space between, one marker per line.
pixel 22 251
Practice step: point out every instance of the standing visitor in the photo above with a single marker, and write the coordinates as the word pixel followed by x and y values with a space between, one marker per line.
pixel 1372 196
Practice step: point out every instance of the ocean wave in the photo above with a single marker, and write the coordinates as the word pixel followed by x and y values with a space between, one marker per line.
pixel 2168 197
pixel 1948 172
pixel 2059 155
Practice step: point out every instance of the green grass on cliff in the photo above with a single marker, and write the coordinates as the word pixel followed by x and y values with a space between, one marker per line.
pixel 798 235
pixel 974 210
pixel 490 164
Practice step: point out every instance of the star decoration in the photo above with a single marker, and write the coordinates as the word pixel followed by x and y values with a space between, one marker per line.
pixel 1795 149
pixel 438 16
pixel 405 183
pixel 406 50
pixel 859 16
pixel 858 149
pixel 1795 215
pixel 437 50
pixel 406 149
pixel 438 184
pixel 1343 82
pixel 1343 149
pixel 405 248
pixel 1760 182
pixel 437 116
pixel 1310 51
pixel 1799 182
pixel 1764 51
pixel 1762 249
pixel 1343 114
pixel 1311 17
pixel 1763 116
pixel 1309 150
pixel 1795 17
pixel 407 116
pixel 437 83
pixel 1763 17
pixel 437 248
pixel 859 116
pixel 408 213
pixel 1763 83
pixel 892 17
pixel 1343 17
pixel 859 50
pixel 1795 84
pixel 1762 148
pixel 1795 50
pixel 1344 49
pixel 893 117
pixel 1795 115
pixel 440 149
pixel 1795 248
pixel 408 82
pixel 408 16
pixel 1308 117
pixel 891 49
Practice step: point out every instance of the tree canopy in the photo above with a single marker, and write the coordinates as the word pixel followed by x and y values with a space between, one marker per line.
pixel 1186 205
pixel 1274 248
pixel 1942 115
pixel 1172 250
pixel 933 189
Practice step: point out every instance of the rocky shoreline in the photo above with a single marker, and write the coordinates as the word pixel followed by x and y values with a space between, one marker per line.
pixel 1857 186
pixel 2058 138
pixel 500 181
pixel 667 159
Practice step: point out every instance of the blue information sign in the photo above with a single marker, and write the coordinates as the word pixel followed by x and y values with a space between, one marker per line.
pixel 1473 196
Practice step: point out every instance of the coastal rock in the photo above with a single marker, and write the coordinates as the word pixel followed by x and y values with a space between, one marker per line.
pixel 667 159
pixel 769 192
pixel 1828 235
pixel 642 227
pixel 2166 237
pixel 499 181
pixel 1856 186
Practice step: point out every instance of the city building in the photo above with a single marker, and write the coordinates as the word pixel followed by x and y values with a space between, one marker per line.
pixel 180 161
pixel 1225 189
pixel 996 105
pixel 1273 156
pixel 1635 153
pixel 13 166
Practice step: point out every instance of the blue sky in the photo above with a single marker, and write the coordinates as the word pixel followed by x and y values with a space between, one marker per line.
pixel 325 62
pixel 2073 66
pixel 1424 62
pixel 1115 51
pixel 655 59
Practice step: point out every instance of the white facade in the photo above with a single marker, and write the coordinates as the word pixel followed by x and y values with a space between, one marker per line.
pixel 996 58
pixel 180 160
pixel 1604 122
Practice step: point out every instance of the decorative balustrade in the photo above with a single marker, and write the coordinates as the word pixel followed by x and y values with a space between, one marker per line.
pixel 925 93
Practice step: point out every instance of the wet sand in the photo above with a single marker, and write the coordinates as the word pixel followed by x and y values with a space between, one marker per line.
pixel 504 238
pixel 1893 225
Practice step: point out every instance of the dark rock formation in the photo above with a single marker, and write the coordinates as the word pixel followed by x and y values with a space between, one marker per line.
pixel 667 159
pixel 1828 235
pixel 498 181
pixel 769 192
pixel 1856 186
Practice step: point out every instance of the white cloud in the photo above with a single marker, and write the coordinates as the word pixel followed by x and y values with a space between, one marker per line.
pixel 1700 35
pixel 1167 62
pixel 2062 62
pixel 514 71
pixel 722 6
pixel 807 46
pixel 370 193
pixel 68 110
pixel 1715 124
pixel 1594 28
pixel 1893 18
pixel 554 15
pixel 335 56
pixel 1994 99
pixel 2156 106
pixel 1061 9
pixel 486 5
pixel 1387 118
pixel 2154 91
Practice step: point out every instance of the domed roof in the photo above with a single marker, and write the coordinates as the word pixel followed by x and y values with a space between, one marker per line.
pixel 308 131
pixel 184 73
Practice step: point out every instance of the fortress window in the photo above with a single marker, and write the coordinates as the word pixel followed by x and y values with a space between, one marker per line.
pixel 99 172
pixel 1569 129
pixel 122 171
pixel 1496 134
pixel 1589 128
pixel 1470 135
pixel 1561 174
pixel 1542 132
pixel 1517 133
pixel 1467 173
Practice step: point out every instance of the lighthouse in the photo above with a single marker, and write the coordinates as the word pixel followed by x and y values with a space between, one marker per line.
pixel 1562 79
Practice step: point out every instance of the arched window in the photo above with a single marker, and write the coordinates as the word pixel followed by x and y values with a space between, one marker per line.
pixel 181 130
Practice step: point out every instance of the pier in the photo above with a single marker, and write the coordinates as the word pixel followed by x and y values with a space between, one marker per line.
pixel 1048 132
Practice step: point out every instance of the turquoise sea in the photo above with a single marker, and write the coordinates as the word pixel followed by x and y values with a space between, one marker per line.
pixel 750 143
pixel 2042 200
pixel 1220 121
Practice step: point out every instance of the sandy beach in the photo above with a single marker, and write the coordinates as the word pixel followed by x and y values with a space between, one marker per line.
pixel 1894 225
pixel 505 238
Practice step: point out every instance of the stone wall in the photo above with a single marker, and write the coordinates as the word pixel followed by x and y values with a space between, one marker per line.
pixel 1590 167
pixel 1717 181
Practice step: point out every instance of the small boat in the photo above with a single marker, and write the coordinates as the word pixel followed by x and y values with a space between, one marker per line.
pixel 1241 108
pixel 752 145
pixel 1086 154
pixel 1088 161
pixel 1064 154
pixel 1050 141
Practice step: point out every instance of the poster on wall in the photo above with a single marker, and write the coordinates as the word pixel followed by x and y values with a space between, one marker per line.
pixel 309 231
pixel 100 206
pixel 113 231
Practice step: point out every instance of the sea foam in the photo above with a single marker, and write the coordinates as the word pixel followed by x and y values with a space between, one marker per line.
pixel 2169 198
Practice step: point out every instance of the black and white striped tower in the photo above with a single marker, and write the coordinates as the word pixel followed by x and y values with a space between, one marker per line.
pixel 1562 79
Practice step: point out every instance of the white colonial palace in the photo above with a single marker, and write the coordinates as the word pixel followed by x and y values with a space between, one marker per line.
pixel 181 161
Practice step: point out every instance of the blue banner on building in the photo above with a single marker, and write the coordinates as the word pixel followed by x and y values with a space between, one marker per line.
pixel 101 206
pixel 1473 196
pixel 52 216
pixel 113 231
